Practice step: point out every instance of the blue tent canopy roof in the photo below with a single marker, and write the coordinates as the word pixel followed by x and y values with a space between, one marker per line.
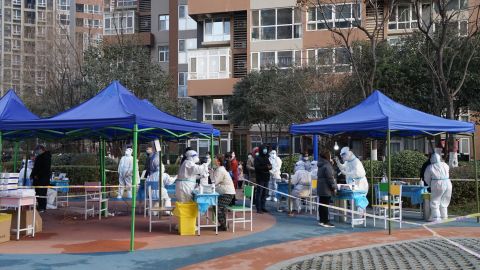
pixel 113 109
pixel 378 113
pixel 12 108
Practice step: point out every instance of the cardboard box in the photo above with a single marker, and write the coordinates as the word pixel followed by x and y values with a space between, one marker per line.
pixel 26 219
pixel 5 222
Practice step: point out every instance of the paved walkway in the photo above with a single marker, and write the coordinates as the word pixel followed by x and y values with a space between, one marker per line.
pixel 286 239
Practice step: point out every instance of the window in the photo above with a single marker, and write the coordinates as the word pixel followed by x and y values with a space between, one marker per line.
pixel 64 19
pixel 16 74
pixel 41 31
pixel 17 14
pixel 182 84
pixel 333 16
pixel 163 22
pixel 126 3
pixel 17 29
pixel 92 23
pixel 93 9
pixel 183 46
pixel 456 4
pixel 79 7
pixel 17 59
pixel 214 109
pixel 42 3
pixel 216 30
pixel 272 24
pixel 402 17
pixel 64 5
pixel 119 22
pixel 281 59
pixel 256 141
pixel 330 60
pixel 464 146
pixel 209 64
pixel 163 54
pixel 41 16
pixel 202 146
pixel 185 22
pixel 16 44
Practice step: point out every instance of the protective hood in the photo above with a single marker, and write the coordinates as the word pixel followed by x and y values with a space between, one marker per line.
pixel 314 164
pixel 192 155
pixel 300 166
pixel 273 154
pixel 346 154
pixel 435 158
pixel 128 152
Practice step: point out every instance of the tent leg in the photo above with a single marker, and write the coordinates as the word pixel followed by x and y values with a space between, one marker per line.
pixel 134 188
pixel 160 176
pixel 1 151
pixel 212 155
pixel 315 147
pixel 15 157
pixel 27 156
pixel 389 153
pixel 371 172
pixel 102 174
pixel 289 200
pixel 476 175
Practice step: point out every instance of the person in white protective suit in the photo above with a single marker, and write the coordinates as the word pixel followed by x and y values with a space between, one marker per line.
pixel 303 162
pixel 301 181
pixel 438 178
pixel 125 172
pixel 154 176
pixel 22 180
pixel 187 175
pixel 353 169
pixel 274 175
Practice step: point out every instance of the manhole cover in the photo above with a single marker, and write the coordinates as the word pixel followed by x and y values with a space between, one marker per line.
pixel 419 254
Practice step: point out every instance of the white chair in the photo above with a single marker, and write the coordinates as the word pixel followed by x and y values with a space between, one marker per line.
pixel 248 192
pixel 157 209
pixel 155 189
pixel 94 196
pixel 395 204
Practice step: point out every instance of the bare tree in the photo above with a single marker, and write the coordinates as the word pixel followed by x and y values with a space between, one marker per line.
pixel 448 39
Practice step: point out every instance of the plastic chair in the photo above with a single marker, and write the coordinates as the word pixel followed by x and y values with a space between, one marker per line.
pixel 157 209
pixel 94 195
pixel 395 203
pixel 248 192
pixel 146 196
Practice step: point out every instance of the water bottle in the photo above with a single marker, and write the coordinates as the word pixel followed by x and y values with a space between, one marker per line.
pixel 384 179
pixel 421 183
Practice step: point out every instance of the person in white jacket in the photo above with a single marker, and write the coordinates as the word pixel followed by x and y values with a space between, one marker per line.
pixel 274 175
pixel 225 187
pixel 437 176
pixel 187 175
pixel 301 181
pixel 353 169
pixel 125 173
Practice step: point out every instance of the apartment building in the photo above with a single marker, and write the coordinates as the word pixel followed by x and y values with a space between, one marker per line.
pixel 88 22
pixel 237 36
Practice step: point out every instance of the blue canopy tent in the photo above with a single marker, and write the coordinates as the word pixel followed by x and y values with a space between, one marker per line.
pixel 380 117
pixel 116 113
pixel 12 109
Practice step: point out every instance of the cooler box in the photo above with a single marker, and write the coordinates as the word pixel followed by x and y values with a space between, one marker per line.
pixel 5 222
pixel 187 217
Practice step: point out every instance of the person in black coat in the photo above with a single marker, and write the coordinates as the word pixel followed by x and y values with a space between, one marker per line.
pixel 41 174
pixel 326 186
pixel 262 172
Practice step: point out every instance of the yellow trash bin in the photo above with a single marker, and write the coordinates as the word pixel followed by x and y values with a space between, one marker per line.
pixel 187 217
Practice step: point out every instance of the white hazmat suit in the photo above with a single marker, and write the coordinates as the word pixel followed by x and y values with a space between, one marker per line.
pixel 438 178
pixel 274 175
pixel 125 172
pixel 303 163
pixel 353 169
pixel 301 181
pixel 155 176
pixel 22 181
pixel 187 175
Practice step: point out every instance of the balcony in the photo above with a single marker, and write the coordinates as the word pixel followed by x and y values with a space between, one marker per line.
pixel 198 7
pixel 140 39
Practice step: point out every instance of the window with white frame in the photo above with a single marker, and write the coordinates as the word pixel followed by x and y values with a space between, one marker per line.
pixel 126 3
pixel 182 84
pixel 41 31
pixel 464 146
pixel 42 3
pixel 17 2
pixel 185 22
pixel 209 64
pixel 41 16
pixel 274 24
pixel 17 59
pixel 280 59
pixel 183 46
pixel 403 17
pixel 17 29
pixel 256 141
pixel 163 54
pixel 16 44
pixel 163 22
pixel 333 16
pixel 202 146
pixel 119 22
pixel 17 14
pixel 16 74
pixel 64 19
pixel 217 29
pixel 93 9
pixel 455 4
pixel 214 110
pixel 91 23
pixel 329 60
pixel 64 5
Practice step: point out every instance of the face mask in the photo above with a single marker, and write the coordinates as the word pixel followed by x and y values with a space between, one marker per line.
pixel 305 158
pixel 249 156
pixel 149 151
pixel 196 159
pixel 256 154
pixel 265 151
